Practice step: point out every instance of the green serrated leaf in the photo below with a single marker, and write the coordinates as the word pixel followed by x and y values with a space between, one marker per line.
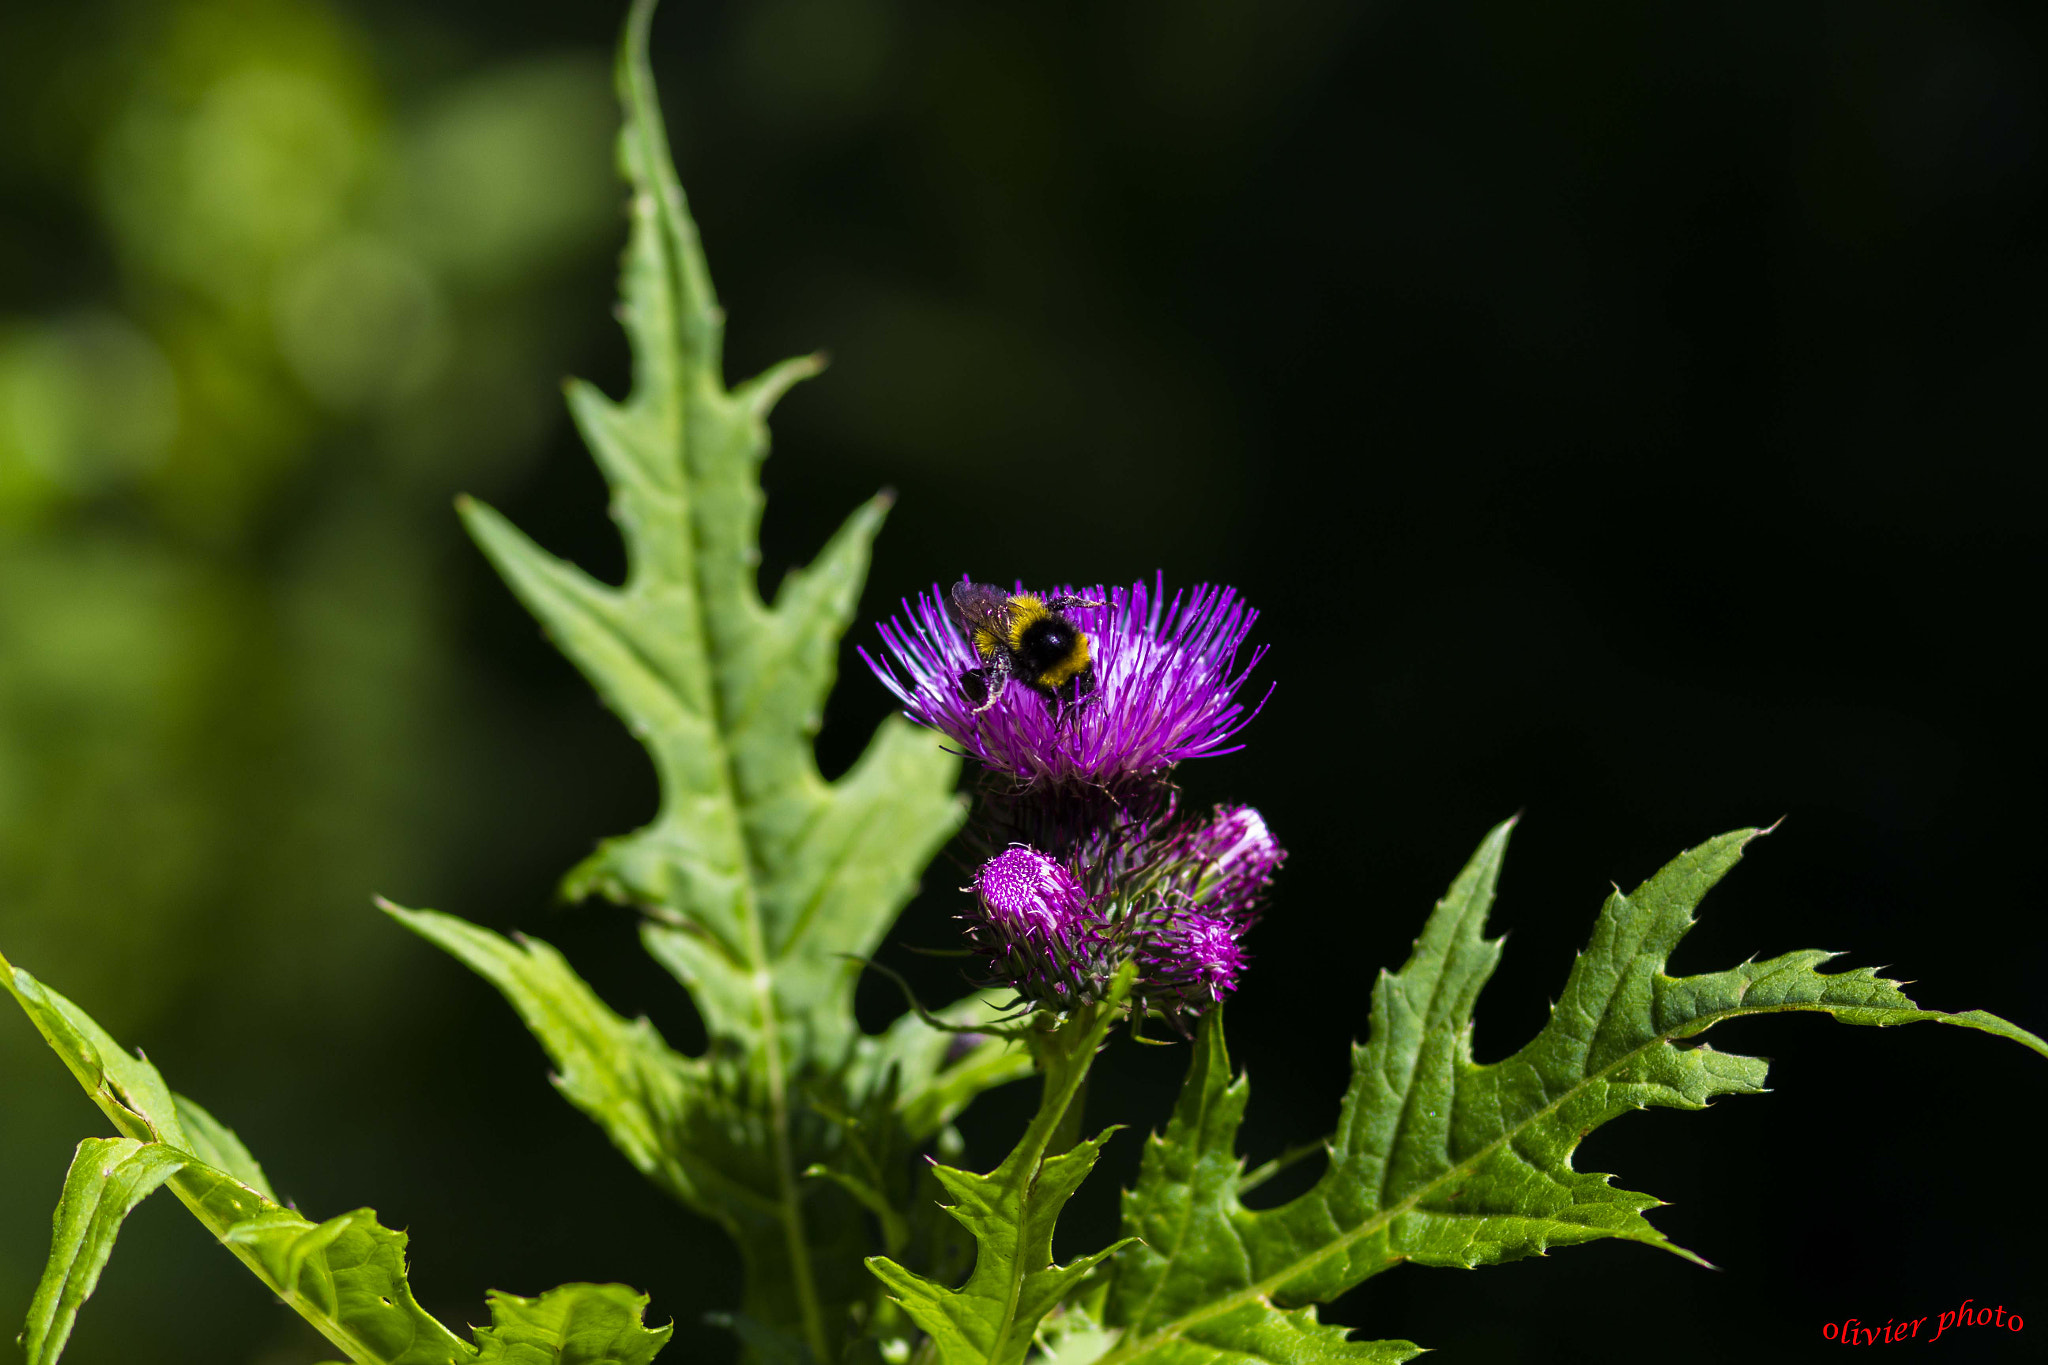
pixel 645 1095
pixel 694 1126
pixel 108 1178
pixel 1185 1209
pixel 764 886
pixel 345 1276
pixel 993 1318
pixel 576 1324
pixel 763 880
pixel 1444 1161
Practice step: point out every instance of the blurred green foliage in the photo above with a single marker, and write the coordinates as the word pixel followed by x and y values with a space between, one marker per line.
pixel 305 311
pixel 311 290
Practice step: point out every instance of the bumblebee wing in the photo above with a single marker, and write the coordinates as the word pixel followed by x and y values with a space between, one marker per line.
pixel 980 606
pixel 984 613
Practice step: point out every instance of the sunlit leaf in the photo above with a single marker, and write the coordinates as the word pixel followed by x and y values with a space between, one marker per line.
pixel 763 881
pixel 108 1178
pixel 577 1324
pixel 346 1276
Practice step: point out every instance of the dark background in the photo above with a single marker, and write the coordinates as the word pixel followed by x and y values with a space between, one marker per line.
pixel 1627 416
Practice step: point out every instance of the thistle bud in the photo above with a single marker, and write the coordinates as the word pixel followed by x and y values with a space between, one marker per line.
pixel 1025 896
pixel 1191 961
pixel 1241 856
pixel 1034 922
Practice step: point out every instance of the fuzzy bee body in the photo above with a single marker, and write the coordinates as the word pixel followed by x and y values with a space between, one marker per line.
pixel 1025 638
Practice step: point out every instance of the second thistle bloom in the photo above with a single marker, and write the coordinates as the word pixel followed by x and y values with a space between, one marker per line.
pixel 1177 902
pixel 1214 875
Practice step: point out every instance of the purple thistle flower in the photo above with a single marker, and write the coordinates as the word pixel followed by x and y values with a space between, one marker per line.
pixel 1192 961
pixel 1166 681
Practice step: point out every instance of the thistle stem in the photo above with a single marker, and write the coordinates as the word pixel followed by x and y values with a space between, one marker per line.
pixel 1068 1130
pixel 1065 1054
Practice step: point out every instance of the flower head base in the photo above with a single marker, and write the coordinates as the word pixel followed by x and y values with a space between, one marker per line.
pixel 1167 675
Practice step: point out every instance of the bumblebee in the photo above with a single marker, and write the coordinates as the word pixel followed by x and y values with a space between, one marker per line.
pixel 1026 638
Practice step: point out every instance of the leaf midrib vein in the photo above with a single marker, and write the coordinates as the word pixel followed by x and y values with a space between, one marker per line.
pixel 760 981
pixel 1443 971
pixel 327 1324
